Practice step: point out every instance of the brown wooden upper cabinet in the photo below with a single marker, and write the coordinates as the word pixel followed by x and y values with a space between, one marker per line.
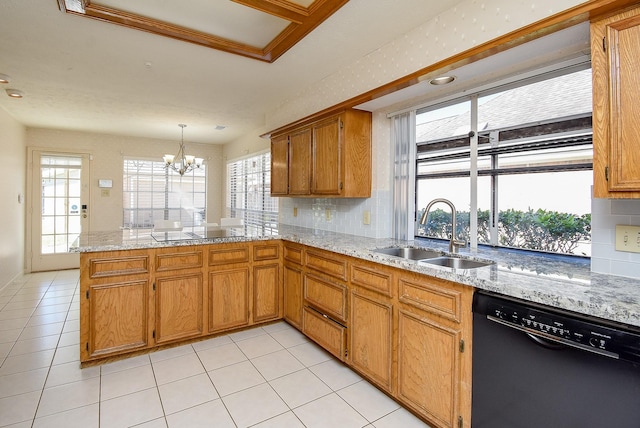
pixel 615 60
pixel 300 162
pixel 280 165
pixel 327 158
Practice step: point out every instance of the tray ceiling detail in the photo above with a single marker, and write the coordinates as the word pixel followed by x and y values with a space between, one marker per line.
pixel 259 29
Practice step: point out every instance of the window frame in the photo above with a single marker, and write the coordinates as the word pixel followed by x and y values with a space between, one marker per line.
pixel 137 219
pixel 248 194
pixel 478 145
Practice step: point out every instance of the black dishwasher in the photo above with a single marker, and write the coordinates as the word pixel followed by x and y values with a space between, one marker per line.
pixel 541 367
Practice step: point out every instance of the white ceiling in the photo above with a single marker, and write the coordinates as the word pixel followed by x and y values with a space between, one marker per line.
pixel 562 49
pixel 87 75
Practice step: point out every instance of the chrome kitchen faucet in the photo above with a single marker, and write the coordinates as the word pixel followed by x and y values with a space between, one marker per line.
pixel 454 243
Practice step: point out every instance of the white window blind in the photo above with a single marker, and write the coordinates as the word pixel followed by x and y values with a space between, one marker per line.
pixel 248 192
pixel 151 192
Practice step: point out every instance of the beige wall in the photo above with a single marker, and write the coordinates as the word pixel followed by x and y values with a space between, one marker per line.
pixel 107 154
pixel 12 212
pixel 248 144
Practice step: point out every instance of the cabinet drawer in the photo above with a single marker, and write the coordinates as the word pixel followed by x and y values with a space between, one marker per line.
pixel 293 254
pixel 371 278
pixel 178 260
pixel 118 266
pixel 326 296
pixel 266 252
pixel 428 296
pixel 327 264
pixel 327 333
pixel 229 255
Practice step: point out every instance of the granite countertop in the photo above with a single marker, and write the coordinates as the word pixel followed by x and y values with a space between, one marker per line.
pixel 559 281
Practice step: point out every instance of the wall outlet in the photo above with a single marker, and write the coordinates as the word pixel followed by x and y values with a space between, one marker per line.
pixel 366 217
pixel 327 214
pixel 628 238
pixel 295 211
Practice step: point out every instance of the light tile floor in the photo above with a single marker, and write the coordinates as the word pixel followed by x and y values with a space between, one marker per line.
pixel 270 376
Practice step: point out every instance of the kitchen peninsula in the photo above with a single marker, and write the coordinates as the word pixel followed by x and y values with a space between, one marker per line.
pixel 375 312
pixel 552 280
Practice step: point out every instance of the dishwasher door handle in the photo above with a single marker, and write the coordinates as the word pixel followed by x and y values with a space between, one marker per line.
pixel 545 343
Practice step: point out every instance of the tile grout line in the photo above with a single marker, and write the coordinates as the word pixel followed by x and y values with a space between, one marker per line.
pixel 236 342
pixel 35 414
pixel 214 385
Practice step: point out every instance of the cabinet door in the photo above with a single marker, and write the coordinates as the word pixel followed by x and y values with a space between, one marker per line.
pixel 371 338
pixel 117 318
pixel 280 165
pixel 300 162
pixel 429 368
pixel 178 303
pixel 327 157
pixel 228 299
pixel 615 44
pixel 293 296
pixel 266 292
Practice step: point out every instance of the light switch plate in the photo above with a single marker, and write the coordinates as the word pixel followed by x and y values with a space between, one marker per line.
pixel 366 217
pixel 628 238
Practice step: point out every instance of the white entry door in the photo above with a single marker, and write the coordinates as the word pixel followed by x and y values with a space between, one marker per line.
pixel 59 211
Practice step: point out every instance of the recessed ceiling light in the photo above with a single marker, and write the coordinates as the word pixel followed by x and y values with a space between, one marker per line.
pixel 14 93
pixel 442 80
pixel 4 78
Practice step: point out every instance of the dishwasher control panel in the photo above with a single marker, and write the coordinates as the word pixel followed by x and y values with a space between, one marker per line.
pixel 562 326
pixel 553 325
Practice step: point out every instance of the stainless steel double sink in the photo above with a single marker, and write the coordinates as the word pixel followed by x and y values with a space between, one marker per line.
pixel 432 257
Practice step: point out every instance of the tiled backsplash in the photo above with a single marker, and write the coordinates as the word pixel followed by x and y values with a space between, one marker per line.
pixel 346 216
pixel 341 215
pixel 605 214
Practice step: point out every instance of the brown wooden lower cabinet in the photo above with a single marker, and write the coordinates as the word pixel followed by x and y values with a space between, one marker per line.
pixel 178 305
pixel 228 299
pixel 429 367
pixel 293 295
pixel 267 294
pixel 410 334
pixel 371 338
pixel 117 319
pixel 138 299
pixel 434 341
pixel 178 293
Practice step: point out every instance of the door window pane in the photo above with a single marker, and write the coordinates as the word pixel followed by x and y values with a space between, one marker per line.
pixel 55 172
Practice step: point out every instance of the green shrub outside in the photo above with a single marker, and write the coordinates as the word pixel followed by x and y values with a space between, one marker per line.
pixel 540 230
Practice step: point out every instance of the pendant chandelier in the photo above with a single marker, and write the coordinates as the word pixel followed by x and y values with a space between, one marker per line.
pixel 182 163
